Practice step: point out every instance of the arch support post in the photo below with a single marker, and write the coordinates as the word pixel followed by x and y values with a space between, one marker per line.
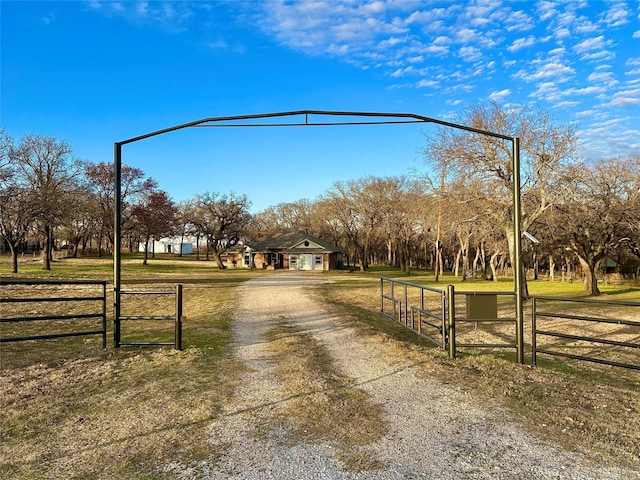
pixel 518 273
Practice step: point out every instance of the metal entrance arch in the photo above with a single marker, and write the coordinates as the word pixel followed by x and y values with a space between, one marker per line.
pixel 363 118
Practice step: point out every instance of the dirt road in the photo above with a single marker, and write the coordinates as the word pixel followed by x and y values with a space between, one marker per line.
pixel 415 427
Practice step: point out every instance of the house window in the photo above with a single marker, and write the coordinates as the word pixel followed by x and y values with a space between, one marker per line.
pixel 274 258
pixel 293 260
pixel 318 259
pixel 247 259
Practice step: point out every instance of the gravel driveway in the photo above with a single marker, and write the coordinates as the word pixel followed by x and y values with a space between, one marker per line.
pixel 434 431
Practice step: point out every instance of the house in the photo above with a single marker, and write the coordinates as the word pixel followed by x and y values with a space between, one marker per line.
pixel 168 245
pixel 288 251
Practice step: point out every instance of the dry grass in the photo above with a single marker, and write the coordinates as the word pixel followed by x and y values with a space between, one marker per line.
pixel 71 410
pixel 576 404
pixel 325 405
pixel 68 409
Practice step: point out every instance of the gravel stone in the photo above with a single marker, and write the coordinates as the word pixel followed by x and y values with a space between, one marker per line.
pixel 435 431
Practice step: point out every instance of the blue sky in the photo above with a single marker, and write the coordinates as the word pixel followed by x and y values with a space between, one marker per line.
pixel 96 72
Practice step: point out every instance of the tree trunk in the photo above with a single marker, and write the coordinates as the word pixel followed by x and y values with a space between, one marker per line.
pixel 476 259
pixel 552 268
pixel 46 252
pixel 146 251
pixel 363 258
pixel 438 268
pixel 100 237
pixel 493 265
pixel 14 258
pixel 219 261
pixel 590 279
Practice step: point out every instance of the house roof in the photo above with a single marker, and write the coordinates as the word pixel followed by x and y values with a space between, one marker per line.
pixel 294 241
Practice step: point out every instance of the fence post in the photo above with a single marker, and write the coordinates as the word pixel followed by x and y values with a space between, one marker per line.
pixel 178 333
pixel 451 300
pixel 104 315
pixel 406 305
pixel 443 309
pixel 382 294
pixel 534 344
pixel 116 318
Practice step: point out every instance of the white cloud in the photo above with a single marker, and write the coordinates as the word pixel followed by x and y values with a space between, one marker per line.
pixel 626 98
pixel 424 83
pixel 520 43
pixel 519 22
pixel 566 104
pixel 601 56
pixel 552 70
pixel 401 72
pixel 466 35
pixel 593 90
pixel 389 42
pixel 605 78
pixel 442 40
pixel 48 19
pixel 172 17
pixel 590 44
pixel 470 54
pixel 546 10
pixel 548 91
pixel 617 15
pixel 500 95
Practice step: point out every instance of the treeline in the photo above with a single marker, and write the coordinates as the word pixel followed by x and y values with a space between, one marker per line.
pixel 455 215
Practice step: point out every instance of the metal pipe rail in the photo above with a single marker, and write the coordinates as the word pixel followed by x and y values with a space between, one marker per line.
pixel 101 314
pixel 411 314
pixel 476 319
pixel 176 318
pixel 537 315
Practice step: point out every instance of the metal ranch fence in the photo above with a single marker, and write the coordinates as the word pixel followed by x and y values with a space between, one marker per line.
pixel 597 331
pixel 176 317
pixel 83 301
pixel 604 332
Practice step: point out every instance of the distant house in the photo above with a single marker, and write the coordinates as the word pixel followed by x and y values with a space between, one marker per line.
pixel 288 251
pixel 168 245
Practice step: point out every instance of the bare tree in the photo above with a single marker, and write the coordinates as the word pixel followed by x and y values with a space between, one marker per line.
pixel 81 219
pixel 546 148
pixel 155 217
pixel 358 207
pixel 46 166
pixel 18 215
pixel 134 185
pixel 594 217
pixel 224 219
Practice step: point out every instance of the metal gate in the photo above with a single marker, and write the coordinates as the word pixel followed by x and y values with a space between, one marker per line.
pixel 176 318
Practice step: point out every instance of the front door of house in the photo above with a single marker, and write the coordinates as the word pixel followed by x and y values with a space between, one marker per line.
pixel 306 261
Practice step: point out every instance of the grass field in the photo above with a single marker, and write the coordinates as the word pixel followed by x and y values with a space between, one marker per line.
pixel 69 409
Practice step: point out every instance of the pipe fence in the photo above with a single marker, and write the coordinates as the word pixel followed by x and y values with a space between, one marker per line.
pixel 154 304
pixel 70 305
pixel 418 307
pixel 597 331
